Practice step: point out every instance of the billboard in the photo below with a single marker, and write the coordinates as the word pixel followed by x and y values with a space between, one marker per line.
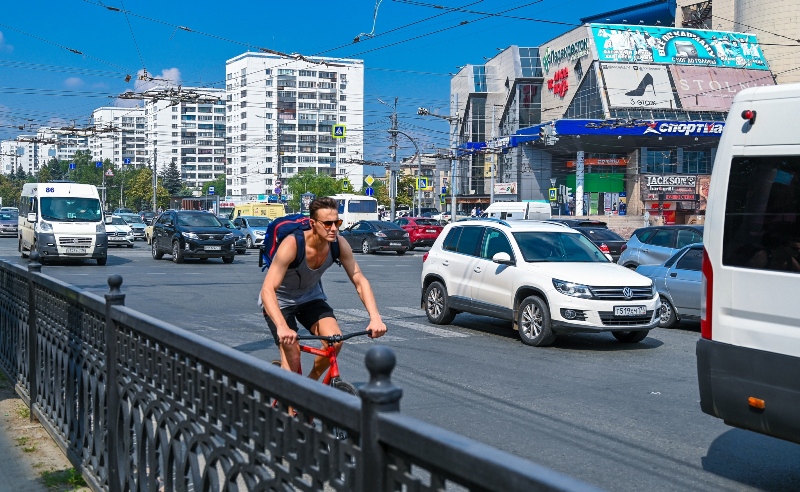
pixel 707 88
pixel 631 85
pixel 677 46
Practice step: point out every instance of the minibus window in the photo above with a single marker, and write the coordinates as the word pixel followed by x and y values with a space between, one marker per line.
pixel 762 228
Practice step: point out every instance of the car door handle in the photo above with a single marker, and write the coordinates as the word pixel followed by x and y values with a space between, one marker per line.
pixel 445 263
pixel 645 250
pixel 477 269
pixel 673 274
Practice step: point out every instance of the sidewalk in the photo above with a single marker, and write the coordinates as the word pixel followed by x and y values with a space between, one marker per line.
pixel 30 461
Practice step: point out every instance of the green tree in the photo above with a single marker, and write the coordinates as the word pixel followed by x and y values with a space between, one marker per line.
pixel 20 176
pixel 309 181
pixel 10 190
pixel 86 170
pixel 57 170
pixel 171 178
pixel 219 186
pixel 44 176
pixel 405 183
pixel 139 191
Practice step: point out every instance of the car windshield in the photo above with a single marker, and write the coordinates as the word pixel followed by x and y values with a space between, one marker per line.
pixel 71 209
pixel 259 222
pixel 198 220
pixel 558 247
pixel 133 219
pixel 225 222
pixel 118 221
pixel 382 226
pixel 8 216
pixel 603 235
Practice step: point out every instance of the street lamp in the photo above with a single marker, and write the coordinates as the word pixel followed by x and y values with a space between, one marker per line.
pixel 454 121
pixel 419 166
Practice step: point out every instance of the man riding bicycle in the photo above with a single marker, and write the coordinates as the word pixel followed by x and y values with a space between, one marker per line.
pixel 292 295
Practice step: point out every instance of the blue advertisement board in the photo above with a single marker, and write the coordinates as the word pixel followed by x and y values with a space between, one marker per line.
pixel 677 46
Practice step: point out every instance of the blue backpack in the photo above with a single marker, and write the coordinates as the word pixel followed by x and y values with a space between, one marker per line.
pixel 281 228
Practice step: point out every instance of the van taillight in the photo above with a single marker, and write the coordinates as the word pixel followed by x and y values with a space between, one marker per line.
pixel 706 297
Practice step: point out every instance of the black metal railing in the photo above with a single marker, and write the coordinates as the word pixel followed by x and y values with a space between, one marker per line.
pixel 139 404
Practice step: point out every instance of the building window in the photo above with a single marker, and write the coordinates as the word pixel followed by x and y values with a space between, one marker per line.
pixel 342 108
pixel 342 118
pixel 285 71
pixel 343 97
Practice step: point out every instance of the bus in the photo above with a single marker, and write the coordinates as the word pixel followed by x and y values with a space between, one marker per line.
pixel 353 208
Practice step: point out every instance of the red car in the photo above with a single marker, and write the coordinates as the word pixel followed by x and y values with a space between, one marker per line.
pixel 422 231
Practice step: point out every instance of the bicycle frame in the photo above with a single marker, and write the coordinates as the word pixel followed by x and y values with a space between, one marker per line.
pixel 329 352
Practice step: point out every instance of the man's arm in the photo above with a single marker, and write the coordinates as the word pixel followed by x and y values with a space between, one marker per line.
pixel 376 325
pixel 287 252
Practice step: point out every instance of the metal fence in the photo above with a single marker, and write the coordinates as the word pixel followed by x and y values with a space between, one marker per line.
pixel 139 404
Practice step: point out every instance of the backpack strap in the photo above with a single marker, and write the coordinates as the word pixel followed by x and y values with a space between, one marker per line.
pixel 300 239
pixel 335 252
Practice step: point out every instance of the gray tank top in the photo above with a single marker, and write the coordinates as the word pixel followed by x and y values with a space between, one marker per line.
pixel 302 284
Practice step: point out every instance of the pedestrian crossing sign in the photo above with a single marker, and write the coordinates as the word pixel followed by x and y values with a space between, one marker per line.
pixel 553 194
pixel 339 131
pixel 422 183
pixel 345 184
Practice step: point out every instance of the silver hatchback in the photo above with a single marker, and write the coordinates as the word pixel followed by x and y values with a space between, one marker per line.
pixel 655 245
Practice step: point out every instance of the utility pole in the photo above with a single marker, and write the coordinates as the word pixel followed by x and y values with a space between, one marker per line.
pixel 494 162
pixel 155 176
pixel 392 168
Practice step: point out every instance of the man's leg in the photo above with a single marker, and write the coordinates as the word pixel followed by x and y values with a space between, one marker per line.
pixel 290 354
pixel 324 327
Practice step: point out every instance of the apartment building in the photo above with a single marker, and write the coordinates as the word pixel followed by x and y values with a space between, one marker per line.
pixel 33 151
pixel 191 134
pixel 125 142
pixel 281 114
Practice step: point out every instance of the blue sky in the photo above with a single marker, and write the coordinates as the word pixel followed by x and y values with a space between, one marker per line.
pixel 414 48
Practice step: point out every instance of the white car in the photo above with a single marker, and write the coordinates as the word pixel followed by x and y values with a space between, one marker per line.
pixel 546 278
pixel 119 232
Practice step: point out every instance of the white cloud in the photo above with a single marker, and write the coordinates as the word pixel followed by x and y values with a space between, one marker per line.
pixel 169 77
pixel 73 82
pixel 5 46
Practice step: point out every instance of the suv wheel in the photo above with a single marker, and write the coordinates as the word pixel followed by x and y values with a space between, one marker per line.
pixel 177 254
pixel 157 255
pixel 533 322
pixel 436 305
pixel 630 336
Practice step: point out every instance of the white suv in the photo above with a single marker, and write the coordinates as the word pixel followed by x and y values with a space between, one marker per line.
pixel 546 278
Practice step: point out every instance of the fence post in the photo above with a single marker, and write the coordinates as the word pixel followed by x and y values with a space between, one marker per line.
pixel 33 360
pixel 379 395
pixel 113 298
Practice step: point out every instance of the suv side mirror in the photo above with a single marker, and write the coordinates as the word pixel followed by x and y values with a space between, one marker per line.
pixel 31 216
pixel 108 220
pixel 502 258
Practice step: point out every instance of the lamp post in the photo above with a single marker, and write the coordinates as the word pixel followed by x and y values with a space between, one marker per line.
pixel 454 122
pixel 419 166
pixel 392 169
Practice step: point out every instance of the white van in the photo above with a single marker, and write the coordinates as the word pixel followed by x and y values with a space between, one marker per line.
pixel 748 357
pixel 518 211
pixel 62 221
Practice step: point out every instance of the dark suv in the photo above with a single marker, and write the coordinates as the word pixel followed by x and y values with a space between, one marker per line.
pixel 597 232
pixel 192 234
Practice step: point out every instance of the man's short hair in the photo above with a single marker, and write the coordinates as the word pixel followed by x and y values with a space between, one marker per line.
pixel 322 203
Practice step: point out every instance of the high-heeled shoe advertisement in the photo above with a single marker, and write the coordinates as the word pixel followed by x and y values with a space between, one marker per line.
pixel 638 86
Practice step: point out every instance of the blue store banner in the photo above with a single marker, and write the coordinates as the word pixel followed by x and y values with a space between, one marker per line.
pixel 677 46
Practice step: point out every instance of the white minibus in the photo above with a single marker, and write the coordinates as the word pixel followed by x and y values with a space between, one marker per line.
pixel 748 356
pixel 62 221
pixel 353 208
pixel 519 211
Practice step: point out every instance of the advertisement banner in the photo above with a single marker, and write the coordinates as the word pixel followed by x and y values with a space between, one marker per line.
pixel 638 86
pixel 702 191
pixel 677 46
pixel 601 161
pixel 505 188
pixel 679 183
pixel 712 89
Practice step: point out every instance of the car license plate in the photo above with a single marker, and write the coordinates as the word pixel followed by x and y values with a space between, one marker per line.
pixel 213 248
pixel 430 230
pixel 394 244
pixel 80 251
pixel 629 310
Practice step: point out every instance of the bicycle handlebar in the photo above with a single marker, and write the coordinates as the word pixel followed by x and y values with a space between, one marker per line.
pixel 334 338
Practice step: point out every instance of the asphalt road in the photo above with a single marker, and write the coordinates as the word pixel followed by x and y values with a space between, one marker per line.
pixel 622 417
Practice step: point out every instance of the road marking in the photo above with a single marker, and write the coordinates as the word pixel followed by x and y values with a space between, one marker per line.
pixel 156 273
pixel 393 320
pixel 408 310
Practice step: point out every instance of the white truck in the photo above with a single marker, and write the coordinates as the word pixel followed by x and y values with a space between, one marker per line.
pixel 62 221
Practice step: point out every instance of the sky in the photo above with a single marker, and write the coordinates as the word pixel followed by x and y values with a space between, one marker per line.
pixel 59 60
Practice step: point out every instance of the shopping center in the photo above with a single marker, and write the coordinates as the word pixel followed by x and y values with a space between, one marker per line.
pixel 618 118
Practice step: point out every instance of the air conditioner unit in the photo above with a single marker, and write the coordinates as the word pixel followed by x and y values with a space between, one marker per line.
pixel 471 192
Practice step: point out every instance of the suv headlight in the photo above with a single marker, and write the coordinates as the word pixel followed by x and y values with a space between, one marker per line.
pixel 227 237
pixel 46 226
pixel 653 290
pixel 101 227
pixel 572 289
pixel 190 235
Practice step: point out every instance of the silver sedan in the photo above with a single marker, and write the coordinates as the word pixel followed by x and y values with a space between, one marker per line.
pixel 678 282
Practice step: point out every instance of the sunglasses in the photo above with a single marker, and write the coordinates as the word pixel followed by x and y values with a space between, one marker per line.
pixel 327 224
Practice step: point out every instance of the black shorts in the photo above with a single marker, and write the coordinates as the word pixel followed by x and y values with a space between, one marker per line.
pixel 307 314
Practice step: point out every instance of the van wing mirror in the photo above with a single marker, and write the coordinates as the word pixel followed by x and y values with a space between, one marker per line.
pixel 31 216
pixel 108 219
pixel 503 258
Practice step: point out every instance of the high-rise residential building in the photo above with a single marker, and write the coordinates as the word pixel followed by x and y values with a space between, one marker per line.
pixel 191 134
pixel 31 152
pixel 281 115
pixel 124 142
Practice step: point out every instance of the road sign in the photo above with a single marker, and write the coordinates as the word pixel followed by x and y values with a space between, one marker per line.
pixel 345 185
pixel 553 194
pixel 72 165
pixel 444 190
pixel 442 198
pixel 98 164
pixel 109 173
pixel 278 182
pixel 422 183
pixel 369 180
pixel 126 161
pixel 369 191
pixel 210 190
pixel 339 131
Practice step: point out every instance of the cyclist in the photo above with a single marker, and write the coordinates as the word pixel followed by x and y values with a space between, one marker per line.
pixel 288 296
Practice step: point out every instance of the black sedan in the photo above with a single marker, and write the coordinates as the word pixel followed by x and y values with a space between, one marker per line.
pixel 597 232
pixel 369 236
pixel 241 242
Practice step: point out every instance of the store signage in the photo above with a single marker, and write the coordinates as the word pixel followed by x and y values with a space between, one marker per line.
pixel 712 89
pixel 605 161
pixel 573 51
pixel 638 86
pixel 678 183
pixel 558 84
pixel 505 188
pixel 499 143
pixel 677 46
pixel 687 129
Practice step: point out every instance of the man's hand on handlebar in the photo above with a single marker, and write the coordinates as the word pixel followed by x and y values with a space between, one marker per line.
pixel 378 329
pixel 287 336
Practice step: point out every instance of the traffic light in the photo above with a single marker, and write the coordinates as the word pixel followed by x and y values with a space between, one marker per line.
pixel 410 191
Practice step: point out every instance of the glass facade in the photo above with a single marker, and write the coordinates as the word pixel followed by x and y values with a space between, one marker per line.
pixel 479 78
pixel 530 62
